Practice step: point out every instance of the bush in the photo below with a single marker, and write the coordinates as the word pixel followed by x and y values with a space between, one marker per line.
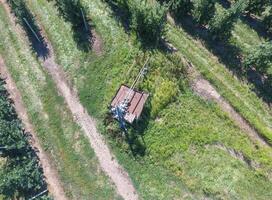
pixel 256 6
pixel 163 95
pixel 148 21
pixel 223 22
pixel 178 8
pixel 203 10
pixel 21 175
pixel 260 57
pixel 268 21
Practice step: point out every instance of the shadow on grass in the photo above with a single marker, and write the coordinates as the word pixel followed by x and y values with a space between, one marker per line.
pixel 81 28
pixel 121 14
pixel 134 137
pixel 33 32
pixel 227 53
pixel 257 25
pixel 231 56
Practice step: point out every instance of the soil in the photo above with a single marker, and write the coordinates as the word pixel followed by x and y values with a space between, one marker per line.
pixel 50 173
pixel 97 45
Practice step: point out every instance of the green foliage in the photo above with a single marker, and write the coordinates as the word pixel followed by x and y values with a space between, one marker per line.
pixel 21 175
pixel 178 141
pixel 256 6
pixel 145 19
pixel 268 21
pixel 165 92
pixel 203 10
pixel 71 11
pixel 223 22
pixel 20 10
pixel 178 8
pixel 148 21
pixel 22 13
pixel 260 57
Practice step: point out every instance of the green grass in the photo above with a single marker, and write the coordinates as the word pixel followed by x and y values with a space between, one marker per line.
pixel 182 159
pixel 237 92
pixel 62 139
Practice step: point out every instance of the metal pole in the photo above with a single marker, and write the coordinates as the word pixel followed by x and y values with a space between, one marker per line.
pixel 32 29
pixel 84 20
pixel 141 73
pixel 41 193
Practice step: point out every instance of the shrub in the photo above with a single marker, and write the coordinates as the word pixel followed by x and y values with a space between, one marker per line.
pixel 163 95
pixel 21 175
pixel 268 21
pixel 178 8
pixel 223 22
pixel 260 57
pixel 148 21
pixel 203 10
pixel 256 6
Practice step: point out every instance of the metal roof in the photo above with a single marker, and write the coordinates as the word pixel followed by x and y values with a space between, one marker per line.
pixel 136 102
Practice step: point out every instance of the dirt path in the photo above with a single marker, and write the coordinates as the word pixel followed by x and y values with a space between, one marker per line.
pixel 97 43
pixel 51 176
pixel 204 89
pixel 107 161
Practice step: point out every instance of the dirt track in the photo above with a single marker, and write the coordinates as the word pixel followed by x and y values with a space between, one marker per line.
pixel 107 161
pixel 51 175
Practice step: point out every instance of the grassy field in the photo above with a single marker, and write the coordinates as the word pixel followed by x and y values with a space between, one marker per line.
pixel 237 92
pixel 61 138
pixel 220 70
pixel 175 151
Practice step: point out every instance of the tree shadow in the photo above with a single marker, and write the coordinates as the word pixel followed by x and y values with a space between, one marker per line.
pixel 135 137
pixel 25 18
pixel 257 25
pixel 227 53
pixel 262 85
pixel 75 14
pixel 226 4
pixel 121 13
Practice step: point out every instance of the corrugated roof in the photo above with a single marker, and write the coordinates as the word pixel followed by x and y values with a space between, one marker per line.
pixel 136 103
